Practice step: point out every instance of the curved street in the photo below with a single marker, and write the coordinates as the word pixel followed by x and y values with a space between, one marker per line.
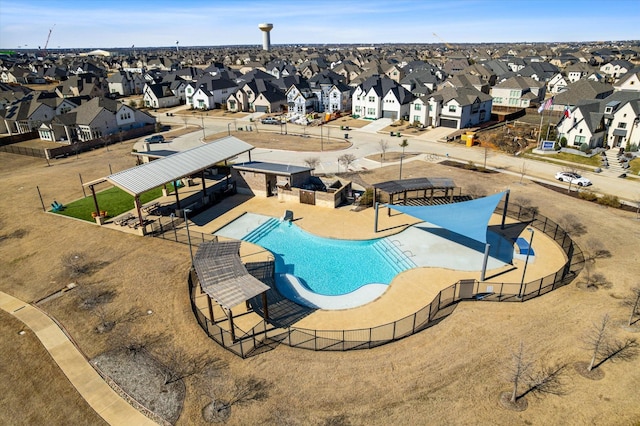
pixel 366 142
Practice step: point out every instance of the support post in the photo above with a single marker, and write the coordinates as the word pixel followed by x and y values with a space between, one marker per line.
pixel 95 199
pixel 210 308
pixel 484 261
pixel 265 306
pixel 504 211
pixel 375 220
pixel 231 326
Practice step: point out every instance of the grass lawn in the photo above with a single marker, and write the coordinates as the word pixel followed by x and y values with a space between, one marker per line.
pixel 634 166
pixel 114 201
pixel 594 161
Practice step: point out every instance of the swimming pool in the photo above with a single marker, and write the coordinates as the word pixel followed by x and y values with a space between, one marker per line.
pixel 329 266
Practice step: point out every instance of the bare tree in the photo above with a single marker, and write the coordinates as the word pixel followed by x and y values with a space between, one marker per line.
pixel 178 364
pixel 403 145
pixel 345 160
pixel 595 249
pixel 75 264
pixel 109 318
pixel 597 340
pixel 572 224
pixel 520 370
pixel 384 146
pixel 93 295
pixel 594 280
pixel 185 120
pixel 634 303
pixel 525 205
pixel 312 162
pixel 476 190
pixel 242 391
pixel 546 379
pixel 523 170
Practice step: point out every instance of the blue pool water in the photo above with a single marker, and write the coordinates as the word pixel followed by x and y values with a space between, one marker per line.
pixel 329 266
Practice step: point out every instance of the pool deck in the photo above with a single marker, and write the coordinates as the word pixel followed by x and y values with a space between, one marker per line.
pixel 408 292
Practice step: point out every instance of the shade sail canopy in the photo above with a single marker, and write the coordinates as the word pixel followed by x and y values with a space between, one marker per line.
pixel 468 218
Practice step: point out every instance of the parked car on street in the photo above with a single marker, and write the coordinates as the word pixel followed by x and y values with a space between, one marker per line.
pixel 155 139
pixel 270 120
pixel 574 178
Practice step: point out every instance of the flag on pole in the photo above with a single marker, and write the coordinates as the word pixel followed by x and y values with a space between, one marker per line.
pixel 566 113
pixel 546 105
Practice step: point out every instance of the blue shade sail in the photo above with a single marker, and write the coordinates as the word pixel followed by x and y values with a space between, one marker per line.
pixel 468 218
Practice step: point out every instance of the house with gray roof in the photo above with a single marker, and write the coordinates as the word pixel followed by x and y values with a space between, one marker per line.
pixel 518 92
pixel 159 95
pixel 459 107
pixel 25 115
pixel 381 97
pixel 580 91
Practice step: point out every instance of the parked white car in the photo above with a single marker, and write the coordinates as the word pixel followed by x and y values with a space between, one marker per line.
pixel 574 178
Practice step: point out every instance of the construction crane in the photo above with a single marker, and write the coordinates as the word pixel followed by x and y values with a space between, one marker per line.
pixel 442 40
pixel 47 42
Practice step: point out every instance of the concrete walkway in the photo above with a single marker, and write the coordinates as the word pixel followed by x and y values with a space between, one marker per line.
pixel 104 400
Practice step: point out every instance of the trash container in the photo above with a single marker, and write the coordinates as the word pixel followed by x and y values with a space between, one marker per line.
pixel 390 133
pixel 346 135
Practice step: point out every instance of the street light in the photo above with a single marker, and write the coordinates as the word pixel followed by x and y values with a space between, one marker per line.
pixel 204 136
pixel 526 261
pixel 185 211
pixel 229 128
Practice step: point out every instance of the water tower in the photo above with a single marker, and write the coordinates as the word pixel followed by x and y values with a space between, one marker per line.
pixel 266 40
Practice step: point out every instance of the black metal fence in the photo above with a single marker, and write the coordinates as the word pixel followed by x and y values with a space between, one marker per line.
pixel 266 336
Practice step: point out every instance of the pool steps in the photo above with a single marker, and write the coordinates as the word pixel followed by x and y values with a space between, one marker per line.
pixel 390 250
pixel 261 230
pixel 394 255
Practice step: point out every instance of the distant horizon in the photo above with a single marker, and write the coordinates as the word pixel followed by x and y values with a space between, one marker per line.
pixel 119 24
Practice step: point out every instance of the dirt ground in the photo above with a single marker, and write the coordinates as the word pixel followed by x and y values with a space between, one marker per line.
pixel 451 373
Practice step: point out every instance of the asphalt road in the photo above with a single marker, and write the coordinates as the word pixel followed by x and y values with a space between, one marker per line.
pixel 366 142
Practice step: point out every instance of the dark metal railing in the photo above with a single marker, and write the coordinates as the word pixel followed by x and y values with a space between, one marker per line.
pixel 265 335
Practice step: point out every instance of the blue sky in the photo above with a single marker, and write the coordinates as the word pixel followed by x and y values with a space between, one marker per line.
pixel 118 23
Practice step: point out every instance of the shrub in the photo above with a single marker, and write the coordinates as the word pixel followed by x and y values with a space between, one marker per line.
pixel 470 166
pixel 628 147
pixel 584 147
pixel 563 142
pixel 633 147
pixel 609 200
pixel 588 195
pixel 366 199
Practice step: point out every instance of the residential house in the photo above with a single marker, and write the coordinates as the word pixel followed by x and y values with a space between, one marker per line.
pixel 333 94
pixel 395 73
pixel 466 80
pixel 93 119
pixel 121 83
pixel 270 101
pixel 577 71
pixel 159 95
pixel 616 69
pixel 419 112
pixel 209 92
pixel 579 91
pixel 381 97
pixel 301 99
pixel 583 125
pixel 348 70
pixel 244 99
pixel 630 82
pixel 82 85
pixel 518 92
pixel 621 119
pixel 459 107
pixel 25 115
pixel 558 83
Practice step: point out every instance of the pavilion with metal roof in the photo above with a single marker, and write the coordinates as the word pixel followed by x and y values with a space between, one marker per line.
pixel 224 278
pixel 393 188
pixel 154 174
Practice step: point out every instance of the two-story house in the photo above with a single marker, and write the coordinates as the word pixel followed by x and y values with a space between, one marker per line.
pixel 381 97
pixel 459 107
pixel 518 92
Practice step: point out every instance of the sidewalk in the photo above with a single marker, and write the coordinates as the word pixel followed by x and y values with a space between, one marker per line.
pixel 104 400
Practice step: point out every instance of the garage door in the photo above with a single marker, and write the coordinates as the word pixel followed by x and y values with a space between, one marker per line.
pixel 261 108
pixel 449 123
pixel 390 114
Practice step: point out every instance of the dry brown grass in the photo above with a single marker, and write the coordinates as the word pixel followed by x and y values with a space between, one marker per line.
pixel 34 389
pixel 451 373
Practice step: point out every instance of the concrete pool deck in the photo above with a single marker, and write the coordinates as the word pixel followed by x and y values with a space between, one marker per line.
pixel 407 293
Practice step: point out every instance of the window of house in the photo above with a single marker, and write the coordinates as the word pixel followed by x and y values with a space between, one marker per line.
pixel 416 118
pixel 497 100
pixel 372 98
pixel 579 140
pixel 475 108
pixel 514 93
pixel 430 107
pixel 357 109
pixel 452 108
pixel 418 107
pixel 622 125
pixel 371 111
pixel 483 114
